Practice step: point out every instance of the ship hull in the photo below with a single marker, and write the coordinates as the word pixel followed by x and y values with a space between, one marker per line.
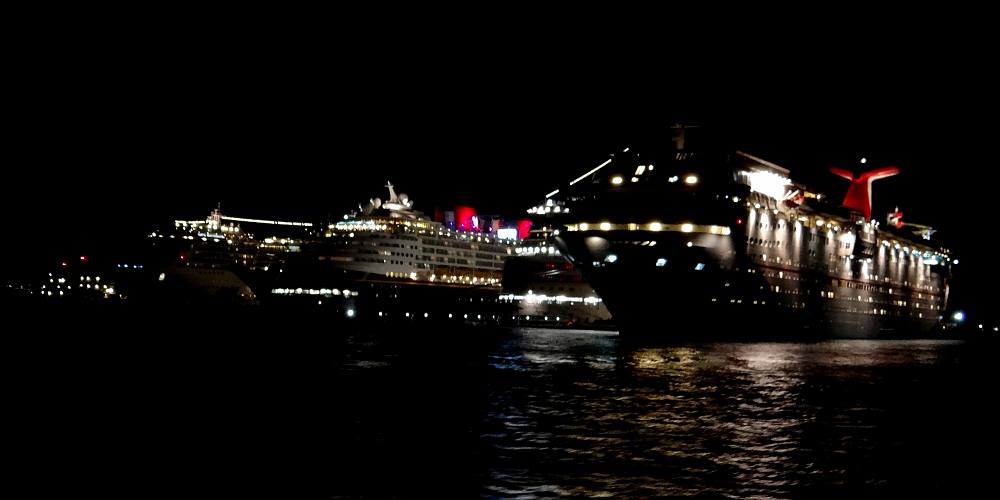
pixel 669 286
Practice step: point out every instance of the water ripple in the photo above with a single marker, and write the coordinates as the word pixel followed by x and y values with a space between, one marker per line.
pixel 733 420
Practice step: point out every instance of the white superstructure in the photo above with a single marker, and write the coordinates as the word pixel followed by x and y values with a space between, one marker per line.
pixel 390 239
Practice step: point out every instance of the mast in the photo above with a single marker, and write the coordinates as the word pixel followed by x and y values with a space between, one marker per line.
pixel 392 193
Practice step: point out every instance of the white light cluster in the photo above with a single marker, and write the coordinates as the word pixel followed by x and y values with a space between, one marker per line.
pixel 534 299
pixel 768 183
pixel 325 292
pixel 360 226
pixel 654 226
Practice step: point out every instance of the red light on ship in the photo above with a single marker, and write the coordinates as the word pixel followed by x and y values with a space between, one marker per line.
pixel 739 222
pixel 896 218
pixel 465 218
pixel 83 258
pixel 523 228
pixel 65 264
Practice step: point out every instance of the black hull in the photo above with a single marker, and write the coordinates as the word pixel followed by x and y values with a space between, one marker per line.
pixel 714 290
pixel 689 313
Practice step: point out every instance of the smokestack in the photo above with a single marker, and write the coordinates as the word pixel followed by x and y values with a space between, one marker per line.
pixel 465 218
pixel 523 228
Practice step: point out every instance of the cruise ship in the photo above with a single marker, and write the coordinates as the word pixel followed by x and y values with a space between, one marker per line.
pixel 389 241
pixel 223 258
pixel 385 248
pixel 399 265
pixel 698 242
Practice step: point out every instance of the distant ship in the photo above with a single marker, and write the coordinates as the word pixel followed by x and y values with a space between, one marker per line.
pixel 697 242
pixel 390 241
pixel 222 259
pixel 405 266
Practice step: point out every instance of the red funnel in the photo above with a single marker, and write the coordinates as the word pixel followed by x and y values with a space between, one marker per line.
pixel 859 195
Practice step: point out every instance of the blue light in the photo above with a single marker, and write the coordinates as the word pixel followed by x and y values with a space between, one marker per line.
pixel 699 267
pixel 661 262
pixel 611 258
pixel 350 313
pixel 959 316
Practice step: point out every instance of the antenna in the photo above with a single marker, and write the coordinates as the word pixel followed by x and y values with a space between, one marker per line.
pixel 392 193
pixel 680 135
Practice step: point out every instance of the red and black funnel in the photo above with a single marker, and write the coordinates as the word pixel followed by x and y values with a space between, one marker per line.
pixel 859 195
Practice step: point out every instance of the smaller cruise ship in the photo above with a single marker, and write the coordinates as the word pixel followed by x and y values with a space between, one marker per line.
pixel 390 241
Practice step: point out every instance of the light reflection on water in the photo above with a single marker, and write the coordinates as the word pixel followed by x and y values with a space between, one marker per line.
pixel 529 413
pixel 574 413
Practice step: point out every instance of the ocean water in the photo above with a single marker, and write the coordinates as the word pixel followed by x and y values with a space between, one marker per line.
pixel 571 413
pixel 227 409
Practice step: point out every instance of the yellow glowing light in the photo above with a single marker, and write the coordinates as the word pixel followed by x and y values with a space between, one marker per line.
pixel 655 226
pixel 584 226
pixel 691 179
pixel 605 226
pixel 687 228
pixel 616 180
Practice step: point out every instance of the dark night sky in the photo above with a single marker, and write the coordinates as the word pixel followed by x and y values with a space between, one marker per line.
pixel 108 132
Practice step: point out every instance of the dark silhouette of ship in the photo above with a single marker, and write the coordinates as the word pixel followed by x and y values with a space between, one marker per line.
pixel 699 241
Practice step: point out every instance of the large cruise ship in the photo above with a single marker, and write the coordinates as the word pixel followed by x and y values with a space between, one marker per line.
pixel 695 242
